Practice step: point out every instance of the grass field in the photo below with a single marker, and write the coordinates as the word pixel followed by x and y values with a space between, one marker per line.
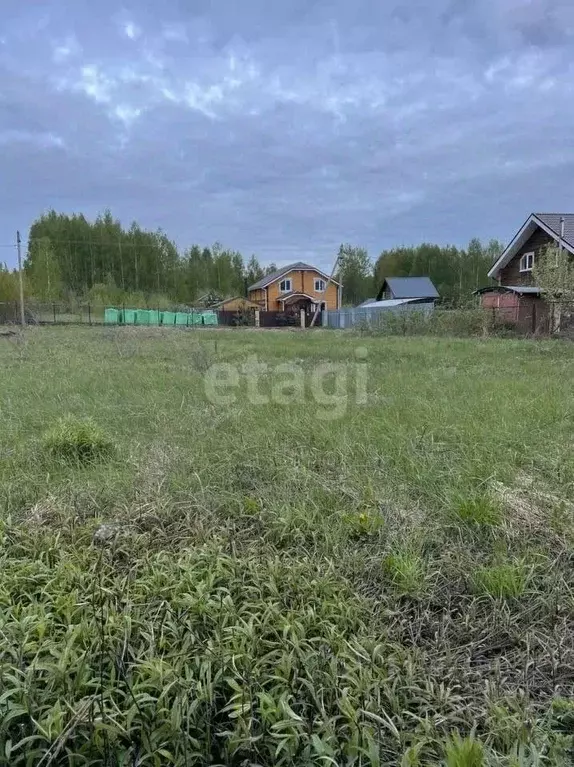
pixel 306 580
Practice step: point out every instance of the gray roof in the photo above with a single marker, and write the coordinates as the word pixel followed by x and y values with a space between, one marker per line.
pixel 410 287
pixel 298 266
pixel 552 221
pixel 522 290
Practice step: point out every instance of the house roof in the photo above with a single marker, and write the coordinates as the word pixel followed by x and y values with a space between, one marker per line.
pixel 389 303
pixel 298 266
pixel 234 298
pixel 521 290
pixel 550 223
pixel 409 287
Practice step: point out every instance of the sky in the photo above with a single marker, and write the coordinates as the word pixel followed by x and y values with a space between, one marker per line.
pixel 286 127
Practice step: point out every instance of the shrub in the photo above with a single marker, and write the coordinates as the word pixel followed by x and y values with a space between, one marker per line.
pixel 76 440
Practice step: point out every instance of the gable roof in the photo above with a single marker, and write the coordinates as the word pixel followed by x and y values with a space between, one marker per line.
pixel 409 287
pixel 550 223
pixel 520 290
pixel 298 266
pixel 234 298
pixel 390 303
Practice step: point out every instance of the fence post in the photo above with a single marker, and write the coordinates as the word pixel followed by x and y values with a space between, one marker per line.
pixel 302 315
pixel 54 312
pixel 89 314
pixel 257 319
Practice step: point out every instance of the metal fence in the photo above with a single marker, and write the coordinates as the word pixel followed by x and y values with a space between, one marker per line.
pixel 534 319
pixel 376 317
pixel 38 313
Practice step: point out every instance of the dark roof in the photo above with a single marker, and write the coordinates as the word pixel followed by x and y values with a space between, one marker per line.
pixel 298 266
pixel 521 290
pixel 409 287
pixel 549 222
pixel 552 221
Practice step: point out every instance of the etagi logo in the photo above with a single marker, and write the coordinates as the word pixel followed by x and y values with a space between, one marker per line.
pixel 332 386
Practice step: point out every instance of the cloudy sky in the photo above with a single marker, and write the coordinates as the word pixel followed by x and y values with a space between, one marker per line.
pixel 283 127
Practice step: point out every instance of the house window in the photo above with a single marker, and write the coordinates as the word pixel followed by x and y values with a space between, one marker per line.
pixel 285 286
pixel 527 262
pixel 319 286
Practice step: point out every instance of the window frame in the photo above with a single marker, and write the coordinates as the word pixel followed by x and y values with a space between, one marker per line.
pixel 284 282
pixel 322 282
pixel 524 259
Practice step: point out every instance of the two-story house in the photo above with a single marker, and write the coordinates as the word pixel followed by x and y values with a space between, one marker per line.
pixel 517 298
pixel 296 286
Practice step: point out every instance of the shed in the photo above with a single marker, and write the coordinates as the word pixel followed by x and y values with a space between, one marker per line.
pixel 408 287
pixel 520 305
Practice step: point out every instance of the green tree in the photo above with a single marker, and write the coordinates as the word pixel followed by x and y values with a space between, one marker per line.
pixel 9 287
pixel 43 270
pixel 355 272
pixel 254 272
pixel 553 273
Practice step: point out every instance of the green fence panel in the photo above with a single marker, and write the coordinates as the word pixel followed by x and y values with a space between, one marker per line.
pixel 112 316
pixel 181 318
pixel 195 318
pixel 168 318
pixel 154 316
pixel 129 316
pixel 142 317
pixel 210 318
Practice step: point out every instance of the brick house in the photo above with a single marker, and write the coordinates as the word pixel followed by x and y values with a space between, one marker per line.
pixel 516 298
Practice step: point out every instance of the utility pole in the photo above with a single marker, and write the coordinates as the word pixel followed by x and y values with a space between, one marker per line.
pixel 21 279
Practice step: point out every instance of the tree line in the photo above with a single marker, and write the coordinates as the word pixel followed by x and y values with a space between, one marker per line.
pixel 71 259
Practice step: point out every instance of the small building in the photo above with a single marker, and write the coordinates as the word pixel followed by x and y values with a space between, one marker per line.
pixel 420 288
pixel 236 304
pixel 294 287
pixel 516 298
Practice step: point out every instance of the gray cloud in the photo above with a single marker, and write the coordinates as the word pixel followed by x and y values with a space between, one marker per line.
pixel 286 131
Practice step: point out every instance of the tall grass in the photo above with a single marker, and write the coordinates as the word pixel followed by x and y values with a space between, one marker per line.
pixel 249 584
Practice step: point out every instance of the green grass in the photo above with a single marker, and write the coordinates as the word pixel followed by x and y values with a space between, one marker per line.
pixel 77 441
pixel 257 584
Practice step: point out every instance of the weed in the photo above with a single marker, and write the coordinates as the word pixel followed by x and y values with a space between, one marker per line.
pixel 502 581
pixel 406 570
pixel 77 441
pixel 464 752
pixel 478 511
pixel 364 524
pixel 251 585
